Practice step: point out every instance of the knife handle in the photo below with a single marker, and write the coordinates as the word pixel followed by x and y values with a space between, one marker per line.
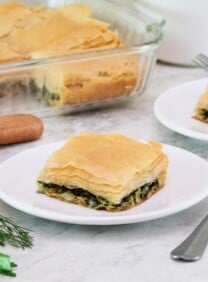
pixel 192 248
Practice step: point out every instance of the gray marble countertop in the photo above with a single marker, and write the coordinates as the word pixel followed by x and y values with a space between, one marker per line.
pixel 137 252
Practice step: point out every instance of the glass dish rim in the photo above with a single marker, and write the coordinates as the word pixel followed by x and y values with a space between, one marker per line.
pixel 77 57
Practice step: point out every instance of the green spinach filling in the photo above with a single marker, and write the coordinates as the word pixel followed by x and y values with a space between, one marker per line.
pixel 12 86
pixel 204 113
pixel 137 196
pixel 43 93
pixel 50 96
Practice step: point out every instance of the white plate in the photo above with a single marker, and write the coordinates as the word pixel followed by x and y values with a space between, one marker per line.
pixel 175 108
pixel 186 185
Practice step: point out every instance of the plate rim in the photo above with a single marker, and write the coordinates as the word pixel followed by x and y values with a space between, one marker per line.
pixel 172 126
pixel 96 220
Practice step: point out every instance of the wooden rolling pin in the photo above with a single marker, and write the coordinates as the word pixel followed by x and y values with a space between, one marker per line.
pixel 19 128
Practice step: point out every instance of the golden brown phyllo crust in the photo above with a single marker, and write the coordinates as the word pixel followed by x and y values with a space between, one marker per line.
pixel 31 32
pixel 104 171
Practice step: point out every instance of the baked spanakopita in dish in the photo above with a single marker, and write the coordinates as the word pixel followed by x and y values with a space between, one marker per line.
pixel 104 171
pixel 32 33
pixel 201 110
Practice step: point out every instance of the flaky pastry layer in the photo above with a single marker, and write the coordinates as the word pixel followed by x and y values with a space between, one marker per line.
pixel 35 32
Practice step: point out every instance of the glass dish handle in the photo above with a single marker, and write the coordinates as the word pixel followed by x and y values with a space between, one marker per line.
pixel 153 16
pixel 141 8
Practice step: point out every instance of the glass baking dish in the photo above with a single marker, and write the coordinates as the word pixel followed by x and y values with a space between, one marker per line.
pixel 87 80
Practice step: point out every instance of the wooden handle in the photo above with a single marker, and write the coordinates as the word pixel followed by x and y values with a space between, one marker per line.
pixel 19 128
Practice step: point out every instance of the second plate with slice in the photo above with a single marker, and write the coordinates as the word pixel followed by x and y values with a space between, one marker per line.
pixel 175 109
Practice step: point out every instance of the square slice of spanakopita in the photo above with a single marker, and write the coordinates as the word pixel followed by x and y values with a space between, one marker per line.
pixel 201 110
pixel 104 171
